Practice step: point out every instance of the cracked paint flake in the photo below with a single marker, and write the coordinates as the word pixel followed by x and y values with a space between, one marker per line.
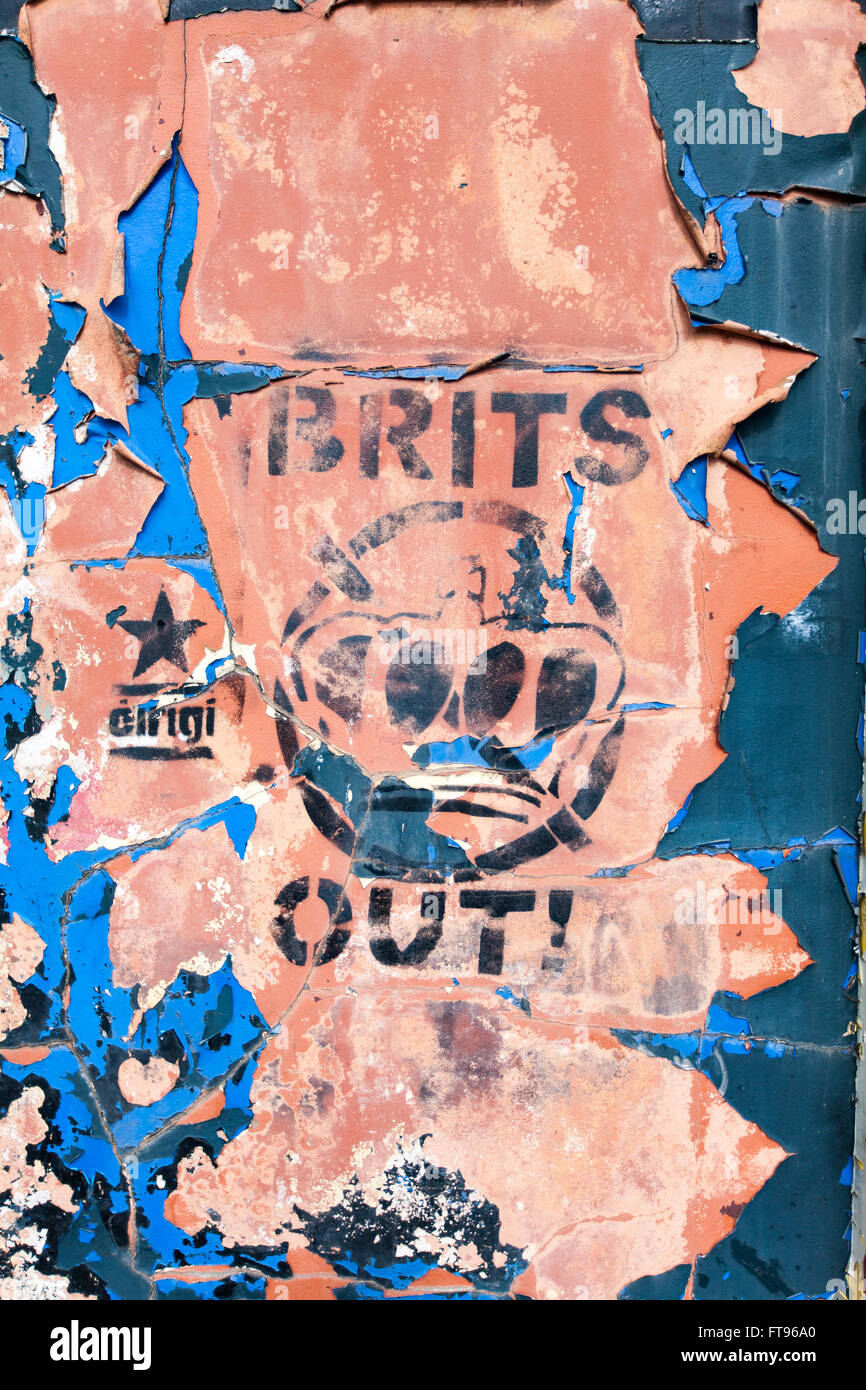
pixel 404 230
pixel 392 558
pixel 796 42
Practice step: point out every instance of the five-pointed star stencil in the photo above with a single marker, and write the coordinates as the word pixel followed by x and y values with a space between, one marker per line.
pixel 161 636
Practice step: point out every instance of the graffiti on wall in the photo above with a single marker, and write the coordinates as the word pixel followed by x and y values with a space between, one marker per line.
pixel 431 684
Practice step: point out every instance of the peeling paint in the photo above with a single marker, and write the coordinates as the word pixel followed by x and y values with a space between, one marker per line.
pixel 430 680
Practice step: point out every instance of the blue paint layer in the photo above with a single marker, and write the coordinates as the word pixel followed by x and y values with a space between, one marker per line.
pixel 159 232
pixel 14 149
pixel 690 490
pixel 703 287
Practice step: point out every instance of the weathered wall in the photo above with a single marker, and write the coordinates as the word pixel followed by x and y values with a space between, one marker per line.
pixel 433 579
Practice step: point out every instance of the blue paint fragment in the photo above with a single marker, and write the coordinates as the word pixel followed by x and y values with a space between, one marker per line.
pixel 32 884
pixel 15 706
pixel 237 1286
pixel 151 319
pixel 720 1021
pixel 172 527
pixel 681 814
pixel 785 480
pixel 691 177
pixel 845 394
pixel 706 286
pixel 774 206
pixel 846 1177
pixel 154 257
pixel 440 373
pixel 686 1044
pixel 227 378
pixel 647 704
pixel 782 480
pixel 214 667
pixel 572 367
pixel 400 1276
pixel 575 492
pixel 73 459
pixel 666 434
pixel 160 1242
pixel 519 1001
pixel 65 787
pixel 848 866
pixel 768 858
pixel 837 836
pixel 734 446
pixel 68 316
pixel 201 570
pixel 159 232
pixel 240 822
pixel 701 1048
pixel 712 847
pixel 223 814
pixel 14 149
pixel 156 436
pixel 690 490
pixel 216 1023
pixel 467 751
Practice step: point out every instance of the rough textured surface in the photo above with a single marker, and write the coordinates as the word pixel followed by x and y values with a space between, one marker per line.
pixel 430 650
pixel 806 66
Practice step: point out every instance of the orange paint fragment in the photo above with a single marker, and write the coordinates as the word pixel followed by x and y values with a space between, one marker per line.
pixel 371 220
pixel 143 1083
pixel 604 1164
pixel 24 1056
pixel 207 1109
pixel 434 1281
pixel 21 950
pixel 804 73
pixel 123 488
